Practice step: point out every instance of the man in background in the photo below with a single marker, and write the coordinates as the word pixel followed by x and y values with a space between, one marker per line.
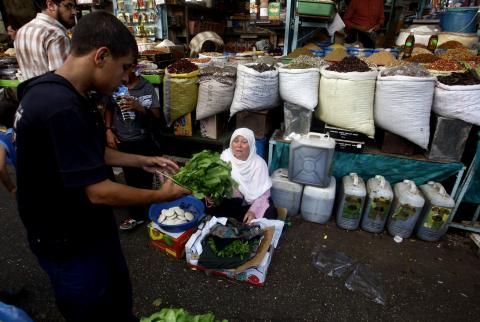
pixel 43 44
pixel 362 20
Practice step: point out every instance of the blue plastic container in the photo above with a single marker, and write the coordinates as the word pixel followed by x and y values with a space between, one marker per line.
pixel 459 20
pixel 328 50
pixel 368 51
pixel 260 145
pixel 394 51
pixel 353 51
pixel 318 53
pixel 187 203
pixel 323 43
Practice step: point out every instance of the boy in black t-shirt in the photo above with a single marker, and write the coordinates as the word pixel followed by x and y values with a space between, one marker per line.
pixel 65 200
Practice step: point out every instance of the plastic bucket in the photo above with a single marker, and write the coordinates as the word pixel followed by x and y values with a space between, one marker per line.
pixel 459 20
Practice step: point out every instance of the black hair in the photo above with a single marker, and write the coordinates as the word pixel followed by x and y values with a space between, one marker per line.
pixel 42 4
pixel 102 29
pixel 8 107
pixel 13 22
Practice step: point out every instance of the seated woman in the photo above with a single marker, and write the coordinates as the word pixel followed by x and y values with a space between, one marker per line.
pixel 251 199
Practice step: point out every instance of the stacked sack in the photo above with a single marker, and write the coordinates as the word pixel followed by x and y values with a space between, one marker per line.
pixel 347 90
pixel 403 102
pixel 216 90
pixel 180 90
pixel 256 88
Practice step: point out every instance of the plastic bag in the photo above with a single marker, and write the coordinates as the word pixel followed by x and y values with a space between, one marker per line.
pixel 10 313
pixel 458 102
pixel 180 92
pixel 346 100
pixel 299 86
pixel 297 119
pixel 331 262
pixel 216 90
pixel 403 105
pixel 365 281
pixel 255 90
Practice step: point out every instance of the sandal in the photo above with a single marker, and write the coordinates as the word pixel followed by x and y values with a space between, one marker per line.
pixel 130 223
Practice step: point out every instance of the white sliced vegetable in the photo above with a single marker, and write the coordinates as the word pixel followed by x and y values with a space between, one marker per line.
pixel 189 216
pixel 162 218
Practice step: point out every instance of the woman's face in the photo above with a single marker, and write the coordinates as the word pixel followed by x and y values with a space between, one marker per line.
pixel 240 148
pixel 12 32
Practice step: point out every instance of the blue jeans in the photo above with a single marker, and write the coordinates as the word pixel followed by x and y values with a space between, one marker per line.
pixel 93 286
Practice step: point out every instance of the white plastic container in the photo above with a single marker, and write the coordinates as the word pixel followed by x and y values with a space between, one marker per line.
pixel 380 196
pixel 285 193
pixel 432 224
pixel 352 198
pixel 317 203
pixel 310 159
pixel 406 208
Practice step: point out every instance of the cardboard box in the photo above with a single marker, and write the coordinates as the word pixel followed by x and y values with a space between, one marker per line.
pixel 253 271
pixel 257 121
pixel 395 144
pixel 183 126
pixel 171 243
pixel 214 126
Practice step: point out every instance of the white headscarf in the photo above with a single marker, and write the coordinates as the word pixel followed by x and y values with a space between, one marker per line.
pixel 251 174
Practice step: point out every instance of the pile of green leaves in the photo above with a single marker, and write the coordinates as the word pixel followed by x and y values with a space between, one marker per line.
pixel 235 248
pixel 178 315
pixel 207 176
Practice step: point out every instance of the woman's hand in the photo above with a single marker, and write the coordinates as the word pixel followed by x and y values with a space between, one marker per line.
pixel 249 216
pixel 112 139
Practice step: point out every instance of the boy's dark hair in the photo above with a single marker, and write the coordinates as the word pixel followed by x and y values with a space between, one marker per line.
pixel 13 22
pixel 8 107
pixel 102 29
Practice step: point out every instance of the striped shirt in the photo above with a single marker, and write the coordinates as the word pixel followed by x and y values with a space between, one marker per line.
pixel 41 45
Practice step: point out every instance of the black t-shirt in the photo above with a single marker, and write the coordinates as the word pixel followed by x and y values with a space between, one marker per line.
pixel 60 151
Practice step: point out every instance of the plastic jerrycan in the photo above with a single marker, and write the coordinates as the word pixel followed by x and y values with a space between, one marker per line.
pixel 285 193
pixel 406 208
pixel 317 203
pixel 310 159
pixel 377 208
pixel 352 198
pixel 432 224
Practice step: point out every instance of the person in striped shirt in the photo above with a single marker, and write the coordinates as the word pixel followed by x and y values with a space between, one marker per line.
pixel 43 44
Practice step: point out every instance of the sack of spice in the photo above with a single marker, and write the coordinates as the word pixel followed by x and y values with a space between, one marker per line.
pixel 346 96
pixel 215 92
pixel 403 103
pixel 180 90
pixel 299 86
pixel 255 89
pixel 458 96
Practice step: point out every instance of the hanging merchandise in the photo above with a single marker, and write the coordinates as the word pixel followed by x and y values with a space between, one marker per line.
pixel 380 196
pixel 256 88
pixel 216 89
pixel 403 104
pixel 432 224
pixel 455 99
pixel 180 90
pixel 317 203
pixel 299 86
pixel 406 207
pixel 346 100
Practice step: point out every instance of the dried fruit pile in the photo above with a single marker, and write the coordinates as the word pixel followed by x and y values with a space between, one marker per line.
pixel 458 79
pixel 182 66
pixel 349 64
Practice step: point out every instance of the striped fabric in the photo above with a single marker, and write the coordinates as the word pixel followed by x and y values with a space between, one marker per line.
pixel 41 45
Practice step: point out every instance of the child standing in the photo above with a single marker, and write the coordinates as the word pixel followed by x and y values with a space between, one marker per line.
pixel 126 120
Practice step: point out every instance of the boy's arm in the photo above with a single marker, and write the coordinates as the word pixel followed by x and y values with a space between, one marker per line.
pixel 4 176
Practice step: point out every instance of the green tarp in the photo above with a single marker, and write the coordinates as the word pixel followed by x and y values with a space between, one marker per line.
pixel 368 165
